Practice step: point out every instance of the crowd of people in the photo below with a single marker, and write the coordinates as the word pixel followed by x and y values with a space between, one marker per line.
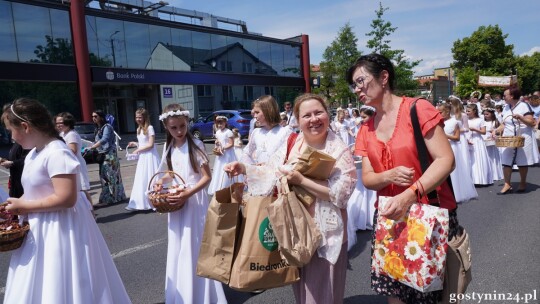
pixel 65 259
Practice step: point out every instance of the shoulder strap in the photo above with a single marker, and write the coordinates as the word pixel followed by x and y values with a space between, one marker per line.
pixel 290 143
pixel 422 149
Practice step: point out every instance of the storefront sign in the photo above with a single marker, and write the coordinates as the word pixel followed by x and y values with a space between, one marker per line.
pixel 167 92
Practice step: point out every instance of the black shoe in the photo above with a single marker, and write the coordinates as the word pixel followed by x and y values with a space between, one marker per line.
pixel 509 190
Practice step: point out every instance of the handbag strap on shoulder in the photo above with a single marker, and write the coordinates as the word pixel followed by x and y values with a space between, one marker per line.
pixel 290 143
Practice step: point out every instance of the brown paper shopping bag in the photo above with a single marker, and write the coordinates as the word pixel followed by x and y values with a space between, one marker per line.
pixel 220 234
pixel 314 164
pixel 296 232
pixel 258 264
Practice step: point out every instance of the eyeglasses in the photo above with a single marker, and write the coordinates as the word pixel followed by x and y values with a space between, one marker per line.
pixel 60 123
pixel 358 83
pixel 95 116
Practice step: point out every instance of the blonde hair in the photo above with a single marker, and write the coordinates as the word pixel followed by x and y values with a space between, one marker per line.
pixel 146 123
pixel 307 96
pixel 269 109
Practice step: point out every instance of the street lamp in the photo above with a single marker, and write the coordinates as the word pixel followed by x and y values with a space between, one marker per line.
pixel 112 47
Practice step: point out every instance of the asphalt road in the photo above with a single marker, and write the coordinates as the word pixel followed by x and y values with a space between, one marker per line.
pixel 504 232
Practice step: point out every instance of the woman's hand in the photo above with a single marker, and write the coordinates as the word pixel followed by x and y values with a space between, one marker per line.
pixel 235 168
pixel 293 177
pixel 132 144
pixel 400 176
pixel 6 163
pixel 397 206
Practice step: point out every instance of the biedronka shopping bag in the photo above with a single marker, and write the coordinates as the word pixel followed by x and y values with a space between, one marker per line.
pixel 412 250
pixel 220 235
pixel 258 263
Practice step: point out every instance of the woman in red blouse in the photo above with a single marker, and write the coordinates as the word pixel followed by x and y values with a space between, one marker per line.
pixel 390 162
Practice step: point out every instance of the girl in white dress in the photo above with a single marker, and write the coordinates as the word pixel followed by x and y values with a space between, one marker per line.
pixel 482 172
pixel 147 164
pixel 238 144
pixel 342 128
pixel 269 137
pixel 494 156
pixel 64 258
pixel 463 124
pixel 186 156
pixel 65 124
pixel 462 183
pixel 361 205
pixel 225 142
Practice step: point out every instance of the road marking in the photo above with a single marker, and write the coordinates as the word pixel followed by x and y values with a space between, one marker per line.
pixel 122 253
pixel 138 248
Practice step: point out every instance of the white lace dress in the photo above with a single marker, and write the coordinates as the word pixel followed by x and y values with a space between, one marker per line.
pixel 185 231
pixel 220 179
pixel 330 216
pixel 264 143
pixel 461 178
pixel 482 170
pixel 147 165
pixel 64 258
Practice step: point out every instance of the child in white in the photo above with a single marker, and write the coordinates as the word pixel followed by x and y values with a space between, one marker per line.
pixel 64 258
pixel 482 171
pixel 186 156
pixel 147 164
pixel 238 144
pixel 224 137
pixel 462 183
pixel 492 123
pixel 342 128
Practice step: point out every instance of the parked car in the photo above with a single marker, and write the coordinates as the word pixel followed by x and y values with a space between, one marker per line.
pixel 239 119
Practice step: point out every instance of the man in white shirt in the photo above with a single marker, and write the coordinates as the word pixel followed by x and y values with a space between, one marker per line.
pixel 291 120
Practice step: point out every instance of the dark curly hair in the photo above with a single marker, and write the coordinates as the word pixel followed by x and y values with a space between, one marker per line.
pixel 374 63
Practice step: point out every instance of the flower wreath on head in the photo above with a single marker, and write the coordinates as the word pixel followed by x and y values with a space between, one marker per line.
pixel 455 97
pixel 368 108
pixel 476 93
pixel 173 113
pixel 220 117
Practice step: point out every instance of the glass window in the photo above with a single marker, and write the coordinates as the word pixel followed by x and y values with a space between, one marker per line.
pixel 93 45
pixel 137 45
pixel 291 60
pixel 32 27
pixel 8 51
pixel 160 44
pixel 202 53
pixel 264 66
pixel 277 57
pixel 61 33
pixel 111 41
pixel 236 55
pixel 182 50
pixel 220 53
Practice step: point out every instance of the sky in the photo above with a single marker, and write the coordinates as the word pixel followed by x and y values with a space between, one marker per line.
pixel 426 30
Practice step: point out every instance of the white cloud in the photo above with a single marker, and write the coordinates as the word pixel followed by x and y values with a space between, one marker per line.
pixel 534 49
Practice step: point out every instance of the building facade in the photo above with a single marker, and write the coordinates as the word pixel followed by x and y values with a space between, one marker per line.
pixel 119 60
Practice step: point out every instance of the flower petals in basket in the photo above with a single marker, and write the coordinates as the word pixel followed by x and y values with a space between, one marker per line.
pixel 12 233
pixel 158 196
pixel 131 156
pixel 217 151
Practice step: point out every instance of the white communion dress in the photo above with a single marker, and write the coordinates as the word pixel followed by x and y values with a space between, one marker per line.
pixel 220 179
pixel 185 231
pixel 64 258
pixel 147 165
pixel 482 171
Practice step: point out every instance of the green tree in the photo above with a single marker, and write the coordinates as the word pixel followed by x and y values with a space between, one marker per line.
pixel 379 43
pixel 60 50
pixel 485 50
pixel 483 53
pixel 528 71
pixel 338 57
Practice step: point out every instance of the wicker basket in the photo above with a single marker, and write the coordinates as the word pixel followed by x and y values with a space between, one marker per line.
pixel 12 239
pixel 510 141
pixel 217 151
pixel 158 199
